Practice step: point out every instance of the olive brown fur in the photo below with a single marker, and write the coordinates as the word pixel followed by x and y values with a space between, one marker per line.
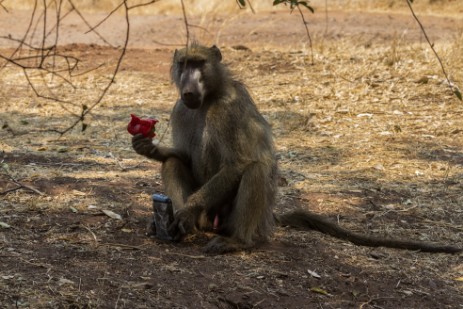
pixel 221 172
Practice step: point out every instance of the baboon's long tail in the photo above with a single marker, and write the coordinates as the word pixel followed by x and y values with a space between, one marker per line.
pixel 309 221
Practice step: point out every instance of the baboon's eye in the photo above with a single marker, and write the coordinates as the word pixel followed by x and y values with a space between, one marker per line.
pixel 199 63
pixel 195 63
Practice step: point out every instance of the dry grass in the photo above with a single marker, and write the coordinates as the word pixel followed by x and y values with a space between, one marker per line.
pixel 200 7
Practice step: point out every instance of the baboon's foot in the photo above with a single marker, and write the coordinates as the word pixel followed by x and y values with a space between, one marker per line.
pixel 222 244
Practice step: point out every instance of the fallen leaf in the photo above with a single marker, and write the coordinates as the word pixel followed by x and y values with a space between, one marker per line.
pixel 407 292
pixel 459 279
pixel 423 80
pixel 4 225
pixel 77 192
pixel 320 291
pixel 313 274
pixel 7 277
pixel 64 281
pixel 74 210
pixel 365 115
pixel 111 214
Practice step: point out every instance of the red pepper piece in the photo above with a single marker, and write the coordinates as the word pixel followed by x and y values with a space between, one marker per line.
pixel 143 126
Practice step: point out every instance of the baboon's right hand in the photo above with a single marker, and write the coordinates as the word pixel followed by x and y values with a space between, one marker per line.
pixel 143 145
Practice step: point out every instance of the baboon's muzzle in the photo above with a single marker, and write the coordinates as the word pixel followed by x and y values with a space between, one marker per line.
pixel 191 99
pixel 192 87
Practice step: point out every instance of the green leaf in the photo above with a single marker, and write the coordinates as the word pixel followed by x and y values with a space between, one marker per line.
pixel 242 3
pixel 458 94
pixel 6 167
pixel 304 3
pixel 276 2
pixel 320 291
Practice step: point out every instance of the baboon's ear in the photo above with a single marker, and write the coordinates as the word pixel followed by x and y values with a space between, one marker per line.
pixel 216 52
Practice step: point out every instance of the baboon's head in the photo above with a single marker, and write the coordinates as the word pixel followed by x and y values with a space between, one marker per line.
pixel 197 73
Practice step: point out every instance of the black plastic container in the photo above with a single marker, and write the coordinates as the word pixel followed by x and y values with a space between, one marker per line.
pixel 163 215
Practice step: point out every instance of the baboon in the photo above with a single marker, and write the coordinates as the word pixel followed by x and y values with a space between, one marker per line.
pixel 221 173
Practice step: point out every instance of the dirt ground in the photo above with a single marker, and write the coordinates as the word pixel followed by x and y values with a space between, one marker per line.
pixel 369 136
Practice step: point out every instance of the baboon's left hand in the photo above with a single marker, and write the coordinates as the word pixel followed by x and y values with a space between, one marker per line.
pixel 184 222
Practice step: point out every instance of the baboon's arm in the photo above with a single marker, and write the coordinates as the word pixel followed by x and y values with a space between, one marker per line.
pixel 215 191
pixel 145 147
pixel 218 189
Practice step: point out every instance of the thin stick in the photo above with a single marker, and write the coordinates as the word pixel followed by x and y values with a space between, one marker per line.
pixel 453 88
pixel 93 234
pixel 88 24
pixel 113 77
pixel 187 28
pixel 250 6
pixel 307 30
pixel 20 185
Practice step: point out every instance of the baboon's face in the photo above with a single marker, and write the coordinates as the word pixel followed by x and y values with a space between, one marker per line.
pixel 192 88
pixel 194 71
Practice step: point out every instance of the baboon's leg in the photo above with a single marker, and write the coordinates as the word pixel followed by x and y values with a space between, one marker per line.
pixel 178 181
pixel 251 217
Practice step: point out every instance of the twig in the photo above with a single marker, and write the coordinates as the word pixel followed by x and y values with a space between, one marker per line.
pixel 50 63
pixel 106 18
pixel 326 17
pixel 453 88
pixel 25 34
pixel 37 93
pixel 3 7
pixel 10 190
pixel 93 234
pixel 199 257
pixel 113 77
pixel 307 31
pixel 142 4
pixel 187 28
pixel 19 186
pixel 250 6
pixel 44 36
pixel 129 247
pixel 88 24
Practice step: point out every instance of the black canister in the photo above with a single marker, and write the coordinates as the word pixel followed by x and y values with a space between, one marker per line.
pixel 163 215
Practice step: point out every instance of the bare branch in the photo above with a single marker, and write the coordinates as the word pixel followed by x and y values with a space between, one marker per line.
pixel 19 184
pixel 37 93
pixel 106 18
pixel 250 6
pixel 88 24
pixel 43 61
pixel 307 31
pixel 143 4
pixel 187 28
pixel 3 7
pixel 25 34
pixel 113 77
pixel 453 88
